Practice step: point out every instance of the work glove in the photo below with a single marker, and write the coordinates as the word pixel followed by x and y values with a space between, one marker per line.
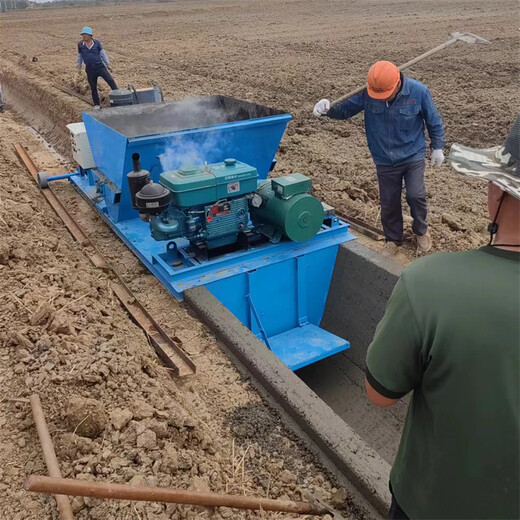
pixel 109 68
pixel 437 158
pixel 321 107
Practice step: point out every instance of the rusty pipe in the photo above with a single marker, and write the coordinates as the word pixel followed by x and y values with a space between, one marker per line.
pixel 83 488
pixel 24 156
pixel 49 455
pixel 57 206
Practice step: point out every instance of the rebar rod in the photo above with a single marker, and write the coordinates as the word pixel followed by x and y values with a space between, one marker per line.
pixel 49 455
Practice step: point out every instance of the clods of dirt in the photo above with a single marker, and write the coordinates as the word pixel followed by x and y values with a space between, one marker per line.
pixel 86 417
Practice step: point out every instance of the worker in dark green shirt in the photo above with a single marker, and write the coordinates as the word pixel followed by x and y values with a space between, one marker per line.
pixel 451 335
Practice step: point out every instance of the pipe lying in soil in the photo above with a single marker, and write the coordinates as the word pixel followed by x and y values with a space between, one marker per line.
pixel 49 455
pixel 363 227
pixel 71 92
pixel 83 488
pixel 166 348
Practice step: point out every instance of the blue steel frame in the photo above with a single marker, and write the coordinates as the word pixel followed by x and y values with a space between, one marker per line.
pixel 278 290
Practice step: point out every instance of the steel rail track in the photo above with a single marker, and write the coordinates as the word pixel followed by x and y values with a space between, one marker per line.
pixel 170 351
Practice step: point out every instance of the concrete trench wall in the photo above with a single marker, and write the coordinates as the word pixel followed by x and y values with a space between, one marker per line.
pixel 362 282
pixel 326 401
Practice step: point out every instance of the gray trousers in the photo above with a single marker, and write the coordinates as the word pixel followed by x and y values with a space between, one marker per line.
pixel 390 187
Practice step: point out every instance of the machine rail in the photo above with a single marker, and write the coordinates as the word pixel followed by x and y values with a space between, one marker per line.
pixel 362 227
pixel 71 92
pixel 165 347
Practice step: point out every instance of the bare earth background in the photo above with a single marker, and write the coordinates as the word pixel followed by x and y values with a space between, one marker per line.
pixel 61 331
pixel 288 54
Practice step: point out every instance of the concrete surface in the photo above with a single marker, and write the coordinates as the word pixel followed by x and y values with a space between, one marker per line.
pixel 341 384
pixel 361 285
pixel 341 449
pixel 362 282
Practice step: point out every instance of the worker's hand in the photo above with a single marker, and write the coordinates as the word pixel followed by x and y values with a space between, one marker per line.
pixel 321 108
pixel 79 70
pixel 109 67
pixel 437 158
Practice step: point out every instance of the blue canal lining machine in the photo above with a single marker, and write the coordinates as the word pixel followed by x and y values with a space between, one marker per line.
pixel 184 185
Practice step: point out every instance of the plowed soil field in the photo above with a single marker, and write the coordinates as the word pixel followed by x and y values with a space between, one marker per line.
pixel 288 54
pixel 63 334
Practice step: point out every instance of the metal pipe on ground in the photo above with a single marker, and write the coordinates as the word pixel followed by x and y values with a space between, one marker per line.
pixel 168 350
pixel 71 92
pixel 49 455
pixel 41 484
pixel 53 201
pixel 363 227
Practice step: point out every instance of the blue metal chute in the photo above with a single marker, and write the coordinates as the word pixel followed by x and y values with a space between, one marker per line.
pixel 176 133
pixel 283 300
pixel 276 288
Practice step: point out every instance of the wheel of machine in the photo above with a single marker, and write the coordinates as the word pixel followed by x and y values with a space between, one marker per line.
pixel 42 180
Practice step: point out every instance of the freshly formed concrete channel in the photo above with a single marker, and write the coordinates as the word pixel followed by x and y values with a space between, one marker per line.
pixel 361 285
pixel 355 440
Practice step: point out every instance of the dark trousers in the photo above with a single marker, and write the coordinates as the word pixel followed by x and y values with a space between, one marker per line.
pixel 93 73
pixel 396 513
pixel 390 187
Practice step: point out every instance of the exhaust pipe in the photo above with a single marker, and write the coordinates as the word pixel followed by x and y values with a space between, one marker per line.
pixel 137 178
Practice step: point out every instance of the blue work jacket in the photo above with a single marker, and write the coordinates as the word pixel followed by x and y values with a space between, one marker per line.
pixel 94 58
pixel 395 131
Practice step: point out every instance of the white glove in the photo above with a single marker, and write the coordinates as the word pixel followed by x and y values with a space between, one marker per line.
pixel 321 108
pixel 437 158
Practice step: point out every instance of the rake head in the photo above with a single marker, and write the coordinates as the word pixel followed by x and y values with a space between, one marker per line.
pixel 468 37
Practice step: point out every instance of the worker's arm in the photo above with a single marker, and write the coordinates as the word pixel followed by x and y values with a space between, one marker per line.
pixel 378 399
pixel 79 58
pixel 103 55
pixel 347 108
pixel 432 120
pixel 395 360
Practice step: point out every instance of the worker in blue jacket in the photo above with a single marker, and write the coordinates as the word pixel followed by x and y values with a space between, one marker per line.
pixel 397 109
pixel 97 65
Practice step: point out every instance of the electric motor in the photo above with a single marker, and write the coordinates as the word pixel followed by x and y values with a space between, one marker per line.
pixel 287 209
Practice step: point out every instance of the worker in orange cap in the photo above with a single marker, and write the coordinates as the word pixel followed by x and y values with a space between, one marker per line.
pixel 397 109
